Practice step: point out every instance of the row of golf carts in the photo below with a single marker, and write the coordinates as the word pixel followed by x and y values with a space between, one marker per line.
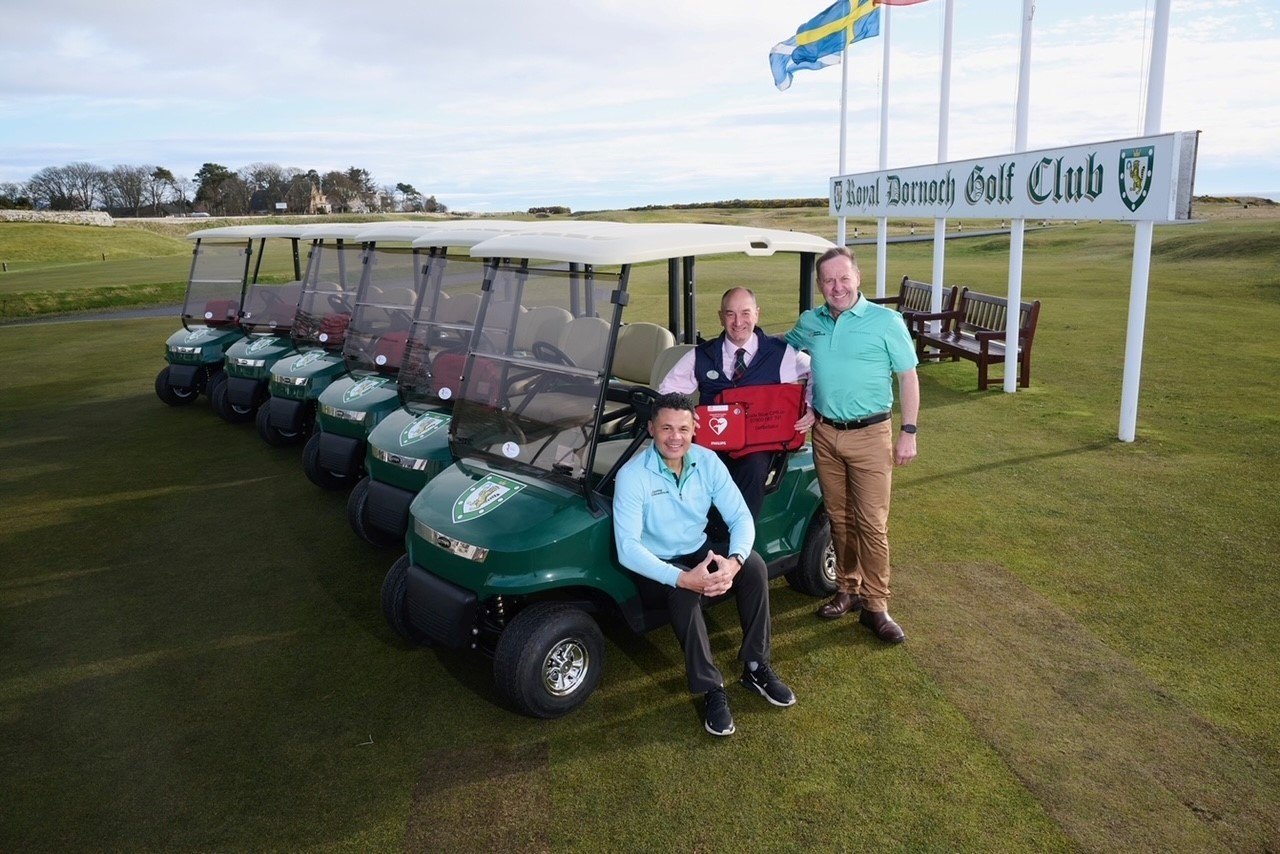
pixel 477 386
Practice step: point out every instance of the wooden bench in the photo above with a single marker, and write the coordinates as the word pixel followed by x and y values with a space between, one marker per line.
pixel 975 330
pixel 916 298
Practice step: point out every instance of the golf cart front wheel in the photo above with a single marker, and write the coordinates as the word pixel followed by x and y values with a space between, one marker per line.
pixel 549 659
pixel 358 516
pixel 272 435
pixel 174 395
pixel 393 602
pixel 318 474
pixel 222 405
pixel 815 574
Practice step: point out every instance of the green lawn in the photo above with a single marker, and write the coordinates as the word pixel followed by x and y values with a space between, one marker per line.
pixel 192 654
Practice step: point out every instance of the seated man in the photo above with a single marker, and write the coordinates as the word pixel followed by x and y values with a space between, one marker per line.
pixel 660 505
pixel 741 355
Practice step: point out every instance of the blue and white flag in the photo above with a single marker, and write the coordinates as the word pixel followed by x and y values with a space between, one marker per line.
pixel 819 41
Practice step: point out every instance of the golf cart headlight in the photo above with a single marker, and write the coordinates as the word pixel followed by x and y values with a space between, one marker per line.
pixel 342 414
pixel 457 547
pixel 404 462
pixel 250 363
pixel 185 351
pixel 277 378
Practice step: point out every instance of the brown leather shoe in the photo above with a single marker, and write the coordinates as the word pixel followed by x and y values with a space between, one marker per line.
pixel 840 604
pixel 883 625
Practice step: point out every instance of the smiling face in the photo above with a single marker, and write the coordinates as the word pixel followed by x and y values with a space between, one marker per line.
pixel 672 432
pixel 739 315
pixel 839 281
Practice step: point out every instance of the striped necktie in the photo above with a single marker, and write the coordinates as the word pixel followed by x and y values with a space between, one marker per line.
pixel 740 364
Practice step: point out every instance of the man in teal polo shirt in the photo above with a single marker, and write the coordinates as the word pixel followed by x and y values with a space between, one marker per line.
pixel 855 348
pixel 660 505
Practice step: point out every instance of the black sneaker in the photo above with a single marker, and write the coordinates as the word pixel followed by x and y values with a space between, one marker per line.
pixel 719 720
pixel 766 683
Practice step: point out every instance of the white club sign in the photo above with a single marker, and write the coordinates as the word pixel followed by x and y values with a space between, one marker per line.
pixel 1141 179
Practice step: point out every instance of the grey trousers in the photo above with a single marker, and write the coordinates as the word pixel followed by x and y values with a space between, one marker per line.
pixel 750 590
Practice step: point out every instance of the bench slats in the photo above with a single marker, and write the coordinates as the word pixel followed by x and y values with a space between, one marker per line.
pixel 975 330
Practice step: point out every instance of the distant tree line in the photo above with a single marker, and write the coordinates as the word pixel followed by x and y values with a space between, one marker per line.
pixel 257 188
pixel 739 203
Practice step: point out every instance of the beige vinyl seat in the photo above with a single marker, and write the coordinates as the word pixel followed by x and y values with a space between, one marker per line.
pixel 541 323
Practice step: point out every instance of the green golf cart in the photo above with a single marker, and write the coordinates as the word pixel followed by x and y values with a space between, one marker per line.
pixel 510 550
pixel 270 304
pixel 411 444
pixel 225 261
pixel 329 290
pixel 372 350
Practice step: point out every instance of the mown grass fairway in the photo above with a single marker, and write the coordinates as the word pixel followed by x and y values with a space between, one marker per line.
pixel 192 654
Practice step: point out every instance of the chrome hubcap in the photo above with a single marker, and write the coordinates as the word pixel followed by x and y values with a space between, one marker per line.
pixel 829 563
pixel 565 667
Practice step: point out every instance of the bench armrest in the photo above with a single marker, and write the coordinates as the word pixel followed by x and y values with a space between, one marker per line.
pixel 885 300
pixel 996 334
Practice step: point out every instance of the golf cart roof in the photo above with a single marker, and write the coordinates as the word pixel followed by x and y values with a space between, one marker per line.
pixel 394 231
pixel 336 231
pixel 632 243
pixel 239 233
pixel 468 233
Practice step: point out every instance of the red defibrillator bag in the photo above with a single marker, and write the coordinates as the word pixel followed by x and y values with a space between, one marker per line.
pixel 721 427
pixel 770 415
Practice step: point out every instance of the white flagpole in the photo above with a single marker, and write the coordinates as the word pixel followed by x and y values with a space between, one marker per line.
pixel 1143 233
pixel 1017 227
pixel 844 115
pixel 882 225
pixel 944 114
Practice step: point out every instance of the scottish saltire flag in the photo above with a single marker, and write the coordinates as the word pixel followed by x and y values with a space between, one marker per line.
pixel 820 40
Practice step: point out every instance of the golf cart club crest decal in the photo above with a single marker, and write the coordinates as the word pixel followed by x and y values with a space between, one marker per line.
pixel 260 344
pixel 197 334
pixel 1135 175
pixel 484 496
pixel 362 388
pixel 307 359
pixel 422 427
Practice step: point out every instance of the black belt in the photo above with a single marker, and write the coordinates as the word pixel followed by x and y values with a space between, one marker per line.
pixel 854 425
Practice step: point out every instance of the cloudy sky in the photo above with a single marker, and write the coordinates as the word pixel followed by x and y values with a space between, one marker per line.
pixel 494 105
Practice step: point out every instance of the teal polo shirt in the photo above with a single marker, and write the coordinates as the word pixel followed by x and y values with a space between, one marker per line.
pixel 854 357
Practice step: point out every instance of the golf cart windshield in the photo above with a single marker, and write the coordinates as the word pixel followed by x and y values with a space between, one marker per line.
pixel 533 386
pixel 441 328
pixel 218 273
pixel 269 307
pixel 384 310
pixel 328 293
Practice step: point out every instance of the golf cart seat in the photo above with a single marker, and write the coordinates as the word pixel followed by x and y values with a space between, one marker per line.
pixel 666 361
pixel 639 346
pixel 390 350
pixel 461 308
pixel 541 323
pixel 584 340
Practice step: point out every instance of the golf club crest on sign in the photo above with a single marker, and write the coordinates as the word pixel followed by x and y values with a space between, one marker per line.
pixel 1135 175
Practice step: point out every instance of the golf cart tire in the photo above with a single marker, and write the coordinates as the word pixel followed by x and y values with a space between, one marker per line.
pixel 318 474
pixel 223 406
pixel 394 588
pixel 171 394
pixel 815 573
pixel 272 435
pixel 357 515
pixel 549 659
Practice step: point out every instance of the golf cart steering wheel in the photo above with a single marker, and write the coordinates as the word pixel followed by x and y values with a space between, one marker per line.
pixel 544 352
pixel 338 304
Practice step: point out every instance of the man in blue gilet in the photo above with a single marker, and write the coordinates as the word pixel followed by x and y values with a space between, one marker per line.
pixel 741 355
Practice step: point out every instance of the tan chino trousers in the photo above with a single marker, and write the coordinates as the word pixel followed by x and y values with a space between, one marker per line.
pixel 855 471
